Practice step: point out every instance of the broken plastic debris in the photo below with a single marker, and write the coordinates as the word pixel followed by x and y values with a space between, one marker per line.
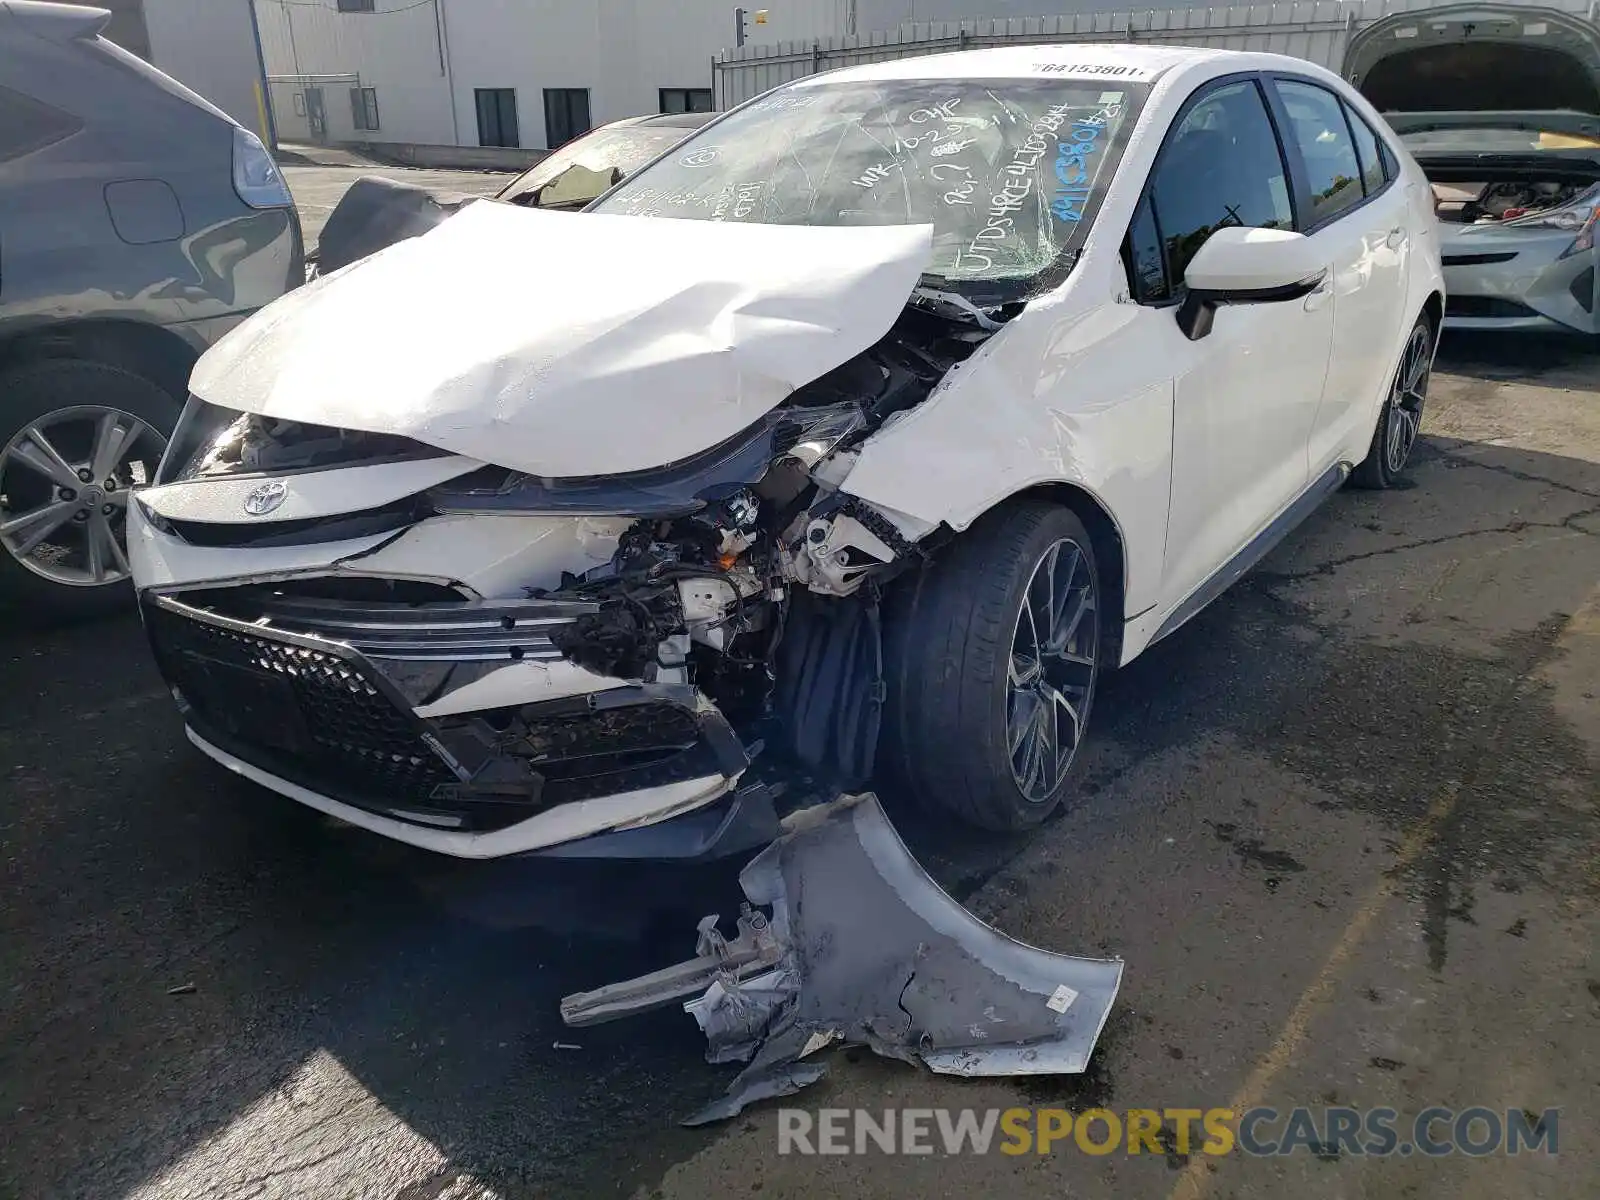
pixel 782 1081
pixel 866 948
pixel 820 1039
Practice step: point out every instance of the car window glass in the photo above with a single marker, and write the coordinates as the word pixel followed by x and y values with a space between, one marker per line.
pixel 1009 172
pixel 1147 271
pixel 1367 148
pixel 1221 167
pixel 27 124
pixel 1316 121
pixel 1391 165
pixel 603 156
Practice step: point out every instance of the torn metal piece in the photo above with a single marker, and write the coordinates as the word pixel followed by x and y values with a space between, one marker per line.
pixel 735 1015
pixel 874 952
pixel 718 960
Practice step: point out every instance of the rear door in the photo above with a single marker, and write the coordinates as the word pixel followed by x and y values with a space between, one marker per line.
pixel 1358 213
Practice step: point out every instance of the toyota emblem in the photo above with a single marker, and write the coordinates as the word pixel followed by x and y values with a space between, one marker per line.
pixel 259 501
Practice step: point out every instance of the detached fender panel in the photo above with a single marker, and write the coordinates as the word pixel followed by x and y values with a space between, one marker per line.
pixel 1063 394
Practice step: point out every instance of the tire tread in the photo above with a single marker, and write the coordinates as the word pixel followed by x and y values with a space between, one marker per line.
pixel 953 640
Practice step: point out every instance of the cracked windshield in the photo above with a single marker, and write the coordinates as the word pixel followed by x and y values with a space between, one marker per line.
pixel 1004 171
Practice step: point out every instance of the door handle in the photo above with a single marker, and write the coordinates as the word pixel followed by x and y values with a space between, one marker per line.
pixel 1319 297
pixel 1396 239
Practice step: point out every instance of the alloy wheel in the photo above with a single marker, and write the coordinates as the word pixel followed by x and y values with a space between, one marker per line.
pixel 65 479
pixel 1407 397
pixel 1054 662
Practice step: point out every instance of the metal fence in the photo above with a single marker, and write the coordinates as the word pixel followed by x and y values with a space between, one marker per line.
pixel 1318 30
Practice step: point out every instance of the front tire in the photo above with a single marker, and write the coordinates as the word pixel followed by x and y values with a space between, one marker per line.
pixel 1401 419
pixel 993 658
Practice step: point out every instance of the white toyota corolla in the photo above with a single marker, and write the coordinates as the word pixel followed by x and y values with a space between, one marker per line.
pixel 862 431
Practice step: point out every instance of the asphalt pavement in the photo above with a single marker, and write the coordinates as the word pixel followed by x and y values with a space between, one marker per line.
pixel 1342 827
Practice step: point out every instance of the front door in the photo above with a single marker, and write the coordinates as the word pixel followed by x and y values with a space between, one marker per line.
pixel 316 115
pixel 1245 395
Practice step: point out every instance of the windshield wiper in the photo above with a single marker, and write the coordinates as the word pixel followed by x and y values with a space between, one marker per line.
pixel 937 294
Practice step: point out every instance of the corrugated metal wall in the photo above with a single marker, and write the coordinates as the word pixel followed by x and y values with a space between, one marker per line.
pixel 1317 30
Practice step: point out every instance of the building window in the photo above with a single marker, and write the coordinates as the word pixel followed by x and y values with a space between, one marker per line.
pixel 497 117
pixel 566 114
pixel 364 107
pixel 687 100
pixel 357 6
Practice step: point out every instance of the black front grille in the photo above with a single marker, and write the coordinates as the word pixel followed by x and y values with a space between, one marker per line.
pixel 1485 306
pixel 315 712
pixel 294 706
pixel 582 755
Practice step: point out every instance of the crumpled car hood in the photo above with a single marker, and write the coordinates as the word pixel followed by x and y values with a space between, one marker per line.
pixel 564 345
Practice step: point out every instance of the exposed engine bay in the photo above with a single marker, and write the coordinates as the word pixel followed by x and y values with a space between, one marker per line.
pixel 1490 203
pixel 743 574
pixel 755 579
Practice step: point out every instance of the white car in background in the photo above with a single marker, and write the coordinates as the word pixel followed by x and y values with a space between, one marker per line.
pixel 863 430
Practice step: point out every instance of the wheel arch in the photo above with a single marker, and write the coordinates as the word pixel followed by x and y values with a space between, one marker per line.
pixel 1434 307
pixel 151 351
pixel 1106 540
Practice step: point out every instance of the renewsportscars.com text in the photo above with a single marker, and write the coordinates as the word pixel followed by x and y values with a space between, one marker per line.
pixel 1259 1132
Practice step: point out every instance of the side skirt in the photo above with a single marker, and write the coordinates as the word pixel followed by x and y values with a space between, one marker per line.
pixel 1255 549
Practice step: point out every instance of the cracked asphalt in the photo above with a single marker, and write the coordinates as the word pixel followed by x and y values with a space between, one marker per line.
pixel 1342 827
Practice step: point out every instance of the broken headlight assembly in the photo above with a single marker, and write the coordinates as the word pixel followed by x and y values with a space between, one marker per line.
pixel 1577 216
pixel 673 489
pixel 211 441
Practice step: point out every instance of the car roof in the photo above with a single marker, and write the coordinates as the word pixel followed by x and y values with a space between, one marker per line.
pixel 663 121
pixel 1112 62
pixel 680 120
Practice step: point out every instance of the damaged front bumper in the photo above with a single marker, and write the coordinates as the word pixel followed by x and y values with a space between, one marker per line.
pixel 863 947
pixel 327 702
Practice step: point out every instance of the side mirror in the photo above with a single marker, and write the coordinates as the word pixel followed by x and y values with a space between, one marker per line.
pixel 1247 266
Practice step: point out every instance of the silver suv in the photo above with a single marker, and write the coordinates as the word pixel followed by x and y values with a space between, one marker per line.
pixel 138 224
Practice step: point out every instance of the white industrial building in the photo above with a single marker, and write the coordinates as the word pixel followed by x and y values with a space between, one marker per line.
pixel 499 72
pixel 530 73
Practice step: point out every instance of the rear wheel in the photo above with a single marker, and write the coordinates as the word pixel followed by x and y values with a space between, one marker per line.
pixel 1401 418
pixel 994 654
pixel 75 438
